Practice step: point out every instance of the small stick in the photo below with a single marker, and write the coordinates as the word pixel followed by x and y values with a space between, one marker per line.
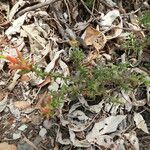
pixel 20 13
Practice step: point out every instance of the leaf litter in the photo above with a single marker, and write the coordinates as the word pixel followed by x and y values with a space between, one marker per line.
pixel 35 78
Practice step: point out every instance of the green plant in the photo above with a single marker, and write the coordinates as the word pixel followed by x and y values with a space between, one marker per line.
pixel 89 3
pixel 145 19
pixel 96 81
pixel 133 44
pixel 91 82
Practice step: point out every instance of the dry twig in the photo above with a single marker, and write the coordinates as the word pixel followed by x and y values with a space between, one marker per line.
pixel 20 13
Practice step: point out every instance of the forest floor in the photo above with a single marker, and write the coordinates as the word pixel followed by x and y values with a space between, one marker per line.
pixel 74 75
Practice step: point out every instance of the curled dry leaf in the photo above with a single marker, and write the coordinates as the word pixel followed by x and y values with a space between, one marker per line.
pixel 76 142
pixel 108 19
pixel 94 37
pixel 51 65
pixel 64 141
pixel 64 68
pixel 140 122
pixel 93 108
pixel 15 8
pixel 16 25
pixel 116 30
pixel 22 104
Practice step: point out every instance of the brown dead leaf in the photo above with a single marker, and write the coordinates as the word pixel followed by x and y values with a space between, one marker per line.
pixel 91 56
pixel 44 99
pixel 6 146
pixel 25 78
pixel 46 81
pixel 22 104
pixel 94 37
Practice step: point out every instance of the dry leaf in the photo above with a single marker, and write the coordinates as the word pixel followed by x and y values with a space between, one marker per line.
pixel 140 122
pixel 105 126
pixel 108 19
pixel 133 139
pixel 94 37
pixel 25 78
pixel 3 103
pixel 51 65
pixel 22 104
pixel 15 80
pixel 64 68
pixel 6 146
pixel 16 25
pixel 116 30
pixel 45 82
pixel 15 8
pixel 76 142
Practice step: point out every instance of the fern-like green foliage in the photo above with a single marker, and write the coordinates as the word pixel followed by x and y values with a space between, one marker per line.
pixel 145 19
pixel 97 80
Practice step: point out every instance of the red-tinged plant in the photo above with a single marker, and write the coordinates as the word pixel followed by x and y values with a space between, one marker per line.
pixel 18 63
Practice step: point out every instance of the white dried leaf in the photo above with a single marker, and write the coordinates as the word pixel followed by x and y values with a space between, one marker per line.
pixel 16 25
pixel 78 114
pixel 107 125
pixel 120 143
pixel 22 127
pixel 114 109
pixel 64 68
pixel 117 30
pixel 74 107
pixel 140 122
pixel 81 26
pixel 54 86
pixel 109 18
pixel 61 140
pixel 15 8
pixel 135 102
pixel 15 81
pixel 16 135
pixel 133 139
pixel 76 142
pixel 103 140
pixel 97 108
pixel 34 79
pixel 51 65
pixel 15 111
pixel 108 106
pixel 3 103
pixel 93 108
pixel 42 132
pixel 34 33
